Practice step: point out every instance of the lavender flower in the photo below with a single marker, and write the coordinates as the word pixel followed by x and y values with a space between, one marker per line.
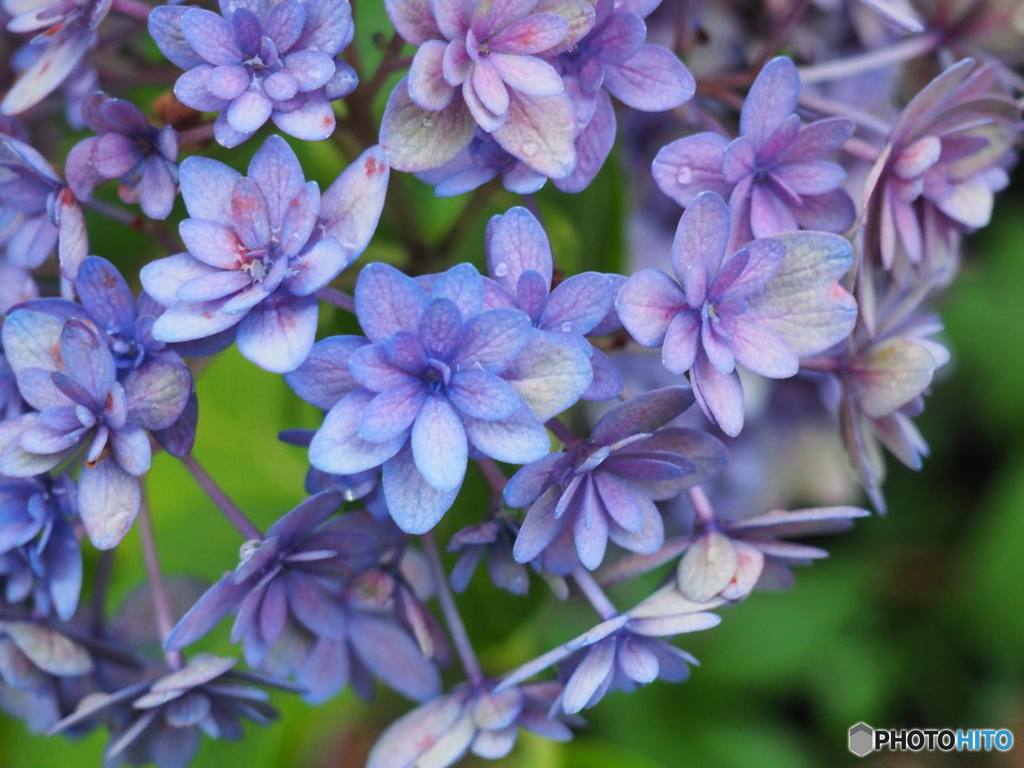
pixel 302 611
pixel 482 160
pixel 773 173
pixel 519 262
pixel 67 28
pixel 427 384
pixel 260 60
pixel 495 55
pixel 260 246
pixel 605 487
pixel 493 539
pixel 129 149
pixel 470 719
pixel 39 554
pixel 764 307
pixel 67 373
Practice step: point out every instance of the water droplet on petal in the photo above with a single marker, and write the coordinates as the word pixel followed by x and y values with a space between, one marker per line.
pixel 349 495
pixel 248 549
pixel 530 148
pixel 427 122
pixel 685 175
pixel 501 269
pixel 566 327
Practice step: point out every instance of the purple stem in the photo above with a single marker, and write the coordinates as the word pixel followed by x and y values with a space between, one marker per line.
pixel 701 504
pixel 161 605
pixel 337 299
pixel 495 477
pixel 114 212
pixel 231 511
pixel 561 431
pixel 594 593
pixel 859 116
pixel 630 566
pixel 909 48
pixel 132 8
pixel 456 628
pixel 99 592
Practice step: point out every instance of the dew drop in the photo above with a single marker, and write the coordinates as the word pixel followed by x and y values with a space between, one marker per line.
pixel 248 549
pixel 566 327
pixel 501 269
pixel 530 148
pixel 427 122
pixel 685 175
pixel 349 495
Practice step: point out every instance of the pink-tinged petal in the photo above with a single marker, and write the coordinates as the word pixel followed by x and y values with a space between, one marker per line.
pixel 351 206
pixel 762 260
pixel 699 245
pixel 214 286
pixel 654 80
pixel 456 63
pixel 211 243
pixel 79 170
pixel 413 20
pixel 486 119
pixel 771 100
pixel 427 86
pixel 278 333
pixel 337 447
pixel 299 220
pixel 691 165
pixel 392 412
pixel 488 86
pixel 930 98
pixel 527 74
pixel 917 158
pixel 647 304
pixel 681 341
pixel 761 350
pixel 228 82
pixel 419 140
pixel 707 567
pixel 108 501
pixel 414 504
pixel 517 242
pixel 439 445
pixel 211 36
pixel 739 159
pixel 206 187
pixel 490 17
pixel 277 172
pixel 313 121
pixel 192 89
pixel 72 236
pixel 893 373
pixel 970 203
pixel 185 321
pixel 818 139
pixel 768 214
pixel 249 111
pixel 719 395
pixel 540 131
pixel 593 146
pixel 534 34
pixel 388 301
pixel 621 37
pixel 581 17
pixel 814 177
pixel 163 278
pixel 47 73
pixel 249 214
pixel 716 348
pixel 453 17
pixel 642 8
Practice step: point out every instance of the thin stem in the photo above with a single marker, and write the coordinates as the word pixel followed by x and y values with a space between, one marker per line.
pixel 114 212
pixel 631 566
pixel 530 203
pixel 99 592
pixel 861 149
pixel 822 364
pixel 701 504
pixel 859 116
pixel 561 431
pixel 132 8
pixel 781 33
pixel 906 49
pixel 594 593
pixel 198 135
pixel 231 511
pixel 388 64
pixel 337 298
pixel 463 646
pixel 495 477
pixel 157 588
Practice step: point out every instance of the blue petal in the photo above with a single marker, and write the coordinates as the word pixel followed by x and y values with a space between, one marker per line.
pixel 337 447
pixel 387 301
pixel 414 504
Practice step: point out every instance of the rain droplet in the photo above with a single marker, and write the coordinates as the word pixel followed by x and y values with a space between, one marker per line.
pixel 685 175
pixel 248 549
pixel 530 148
pixel 349 495
pixel 566 327
pixel 501 269
pixel 427 122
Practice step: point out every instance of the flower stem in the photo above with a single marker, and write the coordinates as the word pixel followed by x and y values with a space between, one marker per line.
pixel 193 137
pixel 594 593
pixel 132 8
pixel 781 33
pixel 562 432
pixel 157 588
pixel 701 504
pixel 388 64
pixel 631 566
pixel 114 212
pixel 231 511
pixel 99 591
pixel 859 116
pixel 495 477
pixel 906 49
pixel 460 638
pixel 337 298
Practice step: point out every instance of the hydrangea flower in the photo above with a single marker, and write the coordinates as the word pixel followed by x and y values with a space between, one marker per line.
pixel 470 719
pixel 482 64
pixel 519 263
pixel 482 160
pixel 729 558
pixel 143 158
pixel 766 306
pixel 623 652
pixel 948 150
pixel 66 371
pixel 493 539
pixel 44 211
pixel 774 173
pixel 298 606
pixel 162 721
pixel 614 59
pixel 605 487
pixel 260 60
pixel 260 246
pixel 426 387
pixel 66 30
pixel 39 554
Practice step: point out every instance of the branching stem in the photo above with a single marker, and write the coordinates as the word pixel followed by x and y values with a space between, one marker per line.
pixel 157 588
pixel 456 628
pixel 593 592
pixel 231 511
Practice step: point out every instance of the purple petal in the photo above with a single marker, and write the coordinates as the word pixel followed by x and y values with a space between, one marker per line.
pixel 108 501
pixel 278 333
pixel 647 303
pixel 323 379
pixel 337 447
pixel 313 121
pixel 312 70
pixel 493 339
pixel 415 505
pixel 516 242
pixel 372 368
pixel 185 321
pixel 297 225
pixel 210 36
pixel 540 131
pixel 593 146
pixel 771 100
pixel 768 214
pixel 394 657
pixel 284 23
pixel 163 278
pixel 88 358
pixel 130 448
pixel 387 301
pixel 413 20
pixel 534 34
pixel 114 155
pixel 527 74
pixel 483 395
pixel 551 374
pixel 519 439
pixel 106 295
pixel 392 412
pixel 681 341
pixel 759 261
pixel 589 676
pixel 643 413
pixel 206 187
pixel 720 395
pixel 578 304
pixel 427 86
pixel 277 172
pixel 654 80
pixel 700 243
pixel 157 393
pixel 249 215
pixel 812 177
pixel 607 383
pixel 539 528
pixel 165 29
pixel 352 205
pixel 818 139
pixel 462 286
pixel 193 90
pixel 439 445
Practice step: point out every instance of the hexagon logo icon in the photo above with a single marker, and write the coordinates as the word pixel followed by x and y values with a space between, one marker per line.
pixel 862 739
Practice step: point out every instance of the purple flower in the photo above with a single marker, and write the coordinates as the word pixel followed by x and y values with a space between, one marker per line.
pixel 493 538
pixel 520 265
pixel 16 286
pixel 258 60
pixel 66 371
pixel 129 149
pixel 470 719
pixel 67 29
pixel 438 376
pixel 774 172
pixel 623 652
pixel 39 555
pixel 162 721
pixel 613 58
pixel 43 212
pixel 947 151
pixel 303 613
pixel 482 160
pixel 605 487
pixel 493 53
pixel 766 306
pixel 260 246
pixel 729 558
